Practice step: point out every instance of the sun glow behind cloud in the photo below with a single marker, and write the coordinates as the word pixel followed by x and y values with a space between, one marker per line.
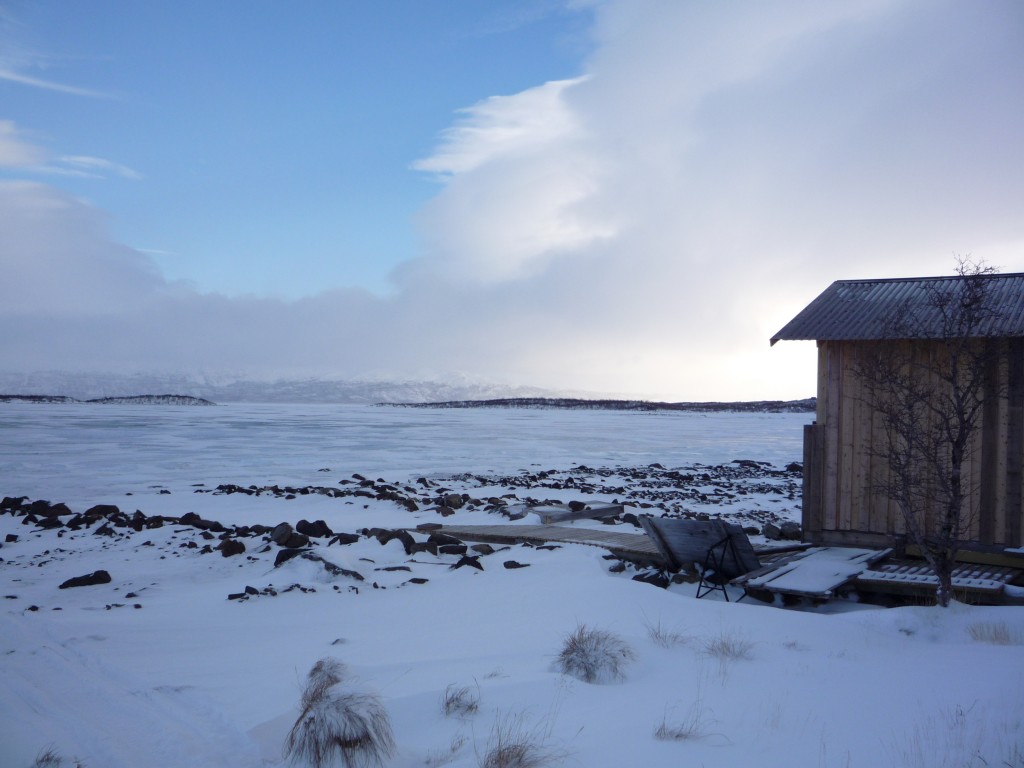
pixel 643 228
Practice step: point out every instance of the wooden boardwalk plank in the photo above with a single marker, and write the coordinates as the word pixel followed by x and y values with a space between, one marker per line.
pixel 629 546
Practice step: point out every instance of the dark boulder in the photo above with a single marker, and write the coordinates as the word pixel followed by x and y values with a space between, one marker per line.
pixel 101 510
pixel 443 538
pixel 96 577
pixel 296 540
pixel 468 560
pixel 656 578
pixel 281 533
pixel 791 531
pixel 230 547
pixel 318 529
pixel 284 555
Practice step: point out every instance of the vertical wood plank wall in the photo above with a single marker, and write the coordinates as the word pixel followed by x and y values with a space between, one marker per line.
pixel 842 466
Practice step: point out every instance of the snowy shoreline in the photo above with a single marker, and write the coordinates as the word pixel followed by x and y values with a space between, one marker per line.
pixel 208 669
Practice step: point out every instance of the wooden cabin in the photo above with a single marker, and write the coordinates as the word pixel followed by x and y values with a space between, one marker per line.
pixel 843 448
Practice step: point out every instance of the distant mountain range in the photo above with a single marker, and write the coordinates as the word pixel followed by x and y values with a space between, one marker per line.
pixel 132 400
pixel 58 386
pixel 84 386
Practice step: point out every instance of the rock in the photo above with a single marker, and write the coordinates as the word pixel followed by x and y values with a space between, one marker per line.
pixel 191 518
pixel 795 466
pixel 331 568
pixel 318 529
pixel 344 538
pixel 656 578
pixel 577 506
pixel 791 531
pixel 96 577
pixel 452 549
pixel 230 547
pixel 102 510
pixel 284 555
pixel 747 463
pixel 281 533
pixel 443 538
pixel 296 540
pixel 483 549
pixel 512 564
pixel 12 503
pixel 472 562
pixel 453 500
pixel 11 538
pixel 384 536
pixel 772 531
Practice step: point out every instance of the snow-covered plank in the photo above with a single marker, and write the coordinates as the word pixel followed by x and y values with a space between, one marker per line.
pixel 817 572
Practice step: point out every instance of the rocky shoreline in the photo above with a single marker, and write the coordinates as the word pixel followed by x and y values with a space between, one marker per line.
pixel 756 495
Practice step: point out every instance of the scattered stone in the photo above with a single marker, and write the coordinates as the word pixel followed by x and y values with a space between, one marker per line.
pixel 512 564
pixel 468 560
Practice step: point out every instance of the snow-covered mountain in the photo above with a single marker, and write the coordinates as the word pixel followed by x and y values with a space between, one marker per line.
pixel 89 386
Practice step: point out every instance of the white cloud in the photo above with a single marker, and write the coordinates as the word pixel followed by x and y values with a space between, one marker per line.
pixel 644 228
pixel 15 152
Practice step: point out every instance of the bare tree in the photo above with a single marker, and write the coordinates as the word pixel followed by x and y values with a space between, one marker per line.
pixel 927 380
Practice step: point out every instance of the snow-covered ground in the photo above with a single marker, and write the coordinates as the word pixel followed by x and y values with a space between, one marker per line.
pixel 159 668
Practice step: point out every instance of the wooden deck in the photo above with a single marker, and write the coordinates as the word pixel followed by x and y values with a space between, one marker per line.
pixel 971 582
pixel 636 547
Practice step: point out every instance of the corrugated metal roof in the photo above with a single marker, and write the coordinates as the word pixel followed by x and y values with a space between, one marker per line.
pixel 861 310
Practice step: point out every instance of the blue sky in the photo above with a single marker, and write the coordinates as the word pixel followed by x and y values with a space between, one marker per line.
pixel 268 135
pixel 611 196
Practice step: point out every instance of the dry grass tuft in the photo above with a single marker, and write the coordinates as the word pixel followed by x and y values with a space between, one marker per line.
pixel 594 655
pixel 666 638
pixel 995 633
pixel 728 647
pixel 349 726
pixel 512 745
pixel 50 758
pixel 460 701
pixel 439 757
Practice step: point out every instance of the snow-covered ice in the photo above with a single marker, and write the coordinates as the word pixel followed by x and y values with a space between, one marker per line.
pixel 159 668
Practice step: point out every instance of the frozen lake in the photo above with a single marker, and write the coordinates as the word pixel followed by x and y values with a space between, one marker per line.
pixel 82 451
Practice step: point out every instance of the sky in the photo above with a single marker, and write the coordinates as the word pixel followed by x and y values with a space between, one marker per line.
pixel 624 197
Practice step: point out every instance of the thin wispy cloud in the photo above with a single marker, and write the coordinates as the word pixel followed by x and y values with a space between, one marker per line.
pixel 82 166
pixel 50 85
